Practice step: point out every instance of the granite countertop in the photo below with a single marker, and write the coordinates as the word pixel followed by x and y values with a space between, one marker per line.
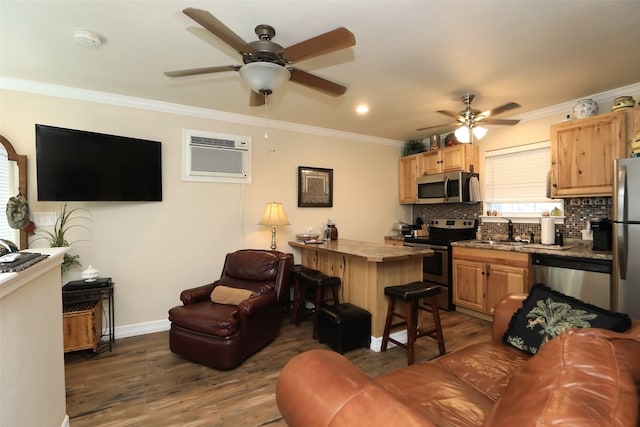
pixel 577 248
pixel 373 252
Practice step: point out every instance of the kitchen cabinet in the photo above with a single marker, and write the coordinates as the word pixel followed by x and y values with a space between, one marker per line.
pixel 461 157
pixel 408 172
pixel 582 154
pixel 481 277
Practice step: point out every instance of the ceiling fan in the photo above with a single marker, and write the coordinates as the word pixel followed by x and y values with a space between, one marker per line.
pixel 267 65
pixel 469 118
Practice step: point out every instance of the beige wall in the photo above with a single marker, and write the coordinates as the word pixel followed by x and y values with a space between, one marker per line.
pixel 154 250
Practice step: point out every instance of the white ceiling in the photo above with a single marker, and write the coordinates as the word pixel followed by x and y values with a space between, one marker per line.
pixel 411 58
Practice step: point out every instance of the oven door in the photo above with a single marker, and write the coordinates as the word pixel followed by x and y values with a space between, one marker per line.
pixel 435 268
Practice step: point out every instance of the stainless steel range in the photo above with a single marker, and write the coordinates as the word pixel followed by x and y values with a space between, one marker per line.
pixel 437 268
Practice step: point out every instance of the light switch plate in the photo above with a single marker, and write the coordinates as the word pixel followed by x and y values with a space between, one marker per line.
pixel 44 219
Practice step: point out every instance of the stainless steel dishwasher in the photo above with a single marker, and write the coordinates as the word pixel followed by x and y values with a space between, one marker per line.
pixel 587 279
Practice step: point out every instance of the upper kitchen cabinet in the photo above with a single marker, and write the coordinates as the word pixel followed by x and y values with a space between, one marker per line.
pixel 582 154
pixel 460 157
pixel 408 172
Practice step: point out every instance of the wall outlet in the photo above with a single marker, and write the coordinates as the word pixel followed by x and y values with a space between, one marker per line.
pixel 44 219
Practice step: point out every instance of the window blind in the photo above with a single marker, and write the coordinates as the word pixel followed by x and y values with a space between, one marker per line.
pixel 517 175
pixel 6 232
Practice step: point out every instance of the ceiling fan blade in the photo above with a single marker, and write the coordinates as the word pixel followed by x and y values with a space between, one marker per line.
pixel 217 28
pixel 315 82
pixel 204 70
pixel 256 99
pixel 497 121
pixel 337 39
pixel 498 110
pixel 451 114
pixel 440 126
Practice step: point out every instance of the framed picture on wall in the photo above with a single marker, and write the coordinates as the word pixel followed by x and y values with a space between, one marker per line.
pixel 315 187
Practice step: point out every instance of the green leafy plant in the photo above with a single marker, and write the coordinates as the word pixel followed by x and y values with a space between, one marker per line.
pixel 413 146
pixel 66 221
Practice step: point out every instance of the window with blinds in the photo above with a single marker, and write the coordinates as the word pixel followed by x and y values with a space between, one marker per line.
pixel 516 180
pixel 6 181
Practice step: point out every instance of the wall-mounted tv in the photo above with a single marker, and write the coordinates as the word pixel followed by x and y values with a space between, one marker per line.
pixel 76 165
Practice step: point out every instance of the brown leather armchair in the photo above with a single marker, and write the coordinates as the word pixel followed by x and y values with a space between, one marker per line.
pixel 222 336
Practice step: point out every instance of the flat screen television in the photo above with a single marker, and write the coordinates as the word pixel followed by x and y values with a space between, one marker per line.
pixel 77 165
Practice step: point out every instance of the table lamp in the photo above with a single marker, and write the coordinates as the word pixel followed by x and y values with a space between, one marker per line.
pixel 274 215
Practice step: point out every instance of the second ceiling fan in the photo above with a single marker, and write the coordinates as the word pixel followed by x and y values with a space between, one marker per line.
pixel 267 64
pixel 470 118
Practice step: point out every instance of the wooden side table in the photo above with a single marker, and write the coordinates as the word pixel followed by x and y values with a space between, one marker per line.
pixel 80 301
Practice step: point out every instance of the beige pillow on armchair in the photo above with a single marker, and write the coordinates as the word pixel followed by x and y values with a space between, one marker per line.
pixel 230 296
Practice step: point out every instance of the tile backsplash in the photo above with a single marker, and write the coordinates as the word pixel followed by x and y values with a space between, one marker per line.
pixel 577 212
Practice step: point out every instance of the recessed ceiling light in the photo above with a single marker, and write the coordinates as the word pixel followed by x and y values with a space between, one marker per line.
pixel 362 109
pixel 87 39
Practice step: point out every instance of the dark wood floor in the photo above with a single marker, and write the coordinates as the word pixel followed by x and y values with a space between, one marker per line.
pixel 141 383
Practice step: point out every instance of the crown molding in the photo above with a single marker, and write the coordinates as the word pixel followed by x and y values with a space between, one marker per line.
pixel 78 94
pixel 48 89
pixel 561 110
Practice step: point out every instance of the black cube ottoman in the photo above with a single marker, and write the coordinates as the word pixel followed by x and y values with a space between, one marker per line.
pixel 344 327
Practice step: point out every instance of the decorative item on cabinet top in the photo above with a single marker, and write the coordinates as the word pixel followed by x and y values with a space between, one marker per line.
pixel 413 146
pixel 623 102
pixel 585 108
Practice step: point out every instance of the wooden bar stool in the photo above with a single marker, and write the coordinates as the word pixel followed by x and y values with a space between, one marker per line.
pixel 318 282
pixel 412 293
pixel 298 293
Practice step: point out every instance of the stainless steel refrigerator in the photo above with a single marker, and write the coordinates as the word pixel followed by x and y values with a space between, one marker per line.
pixel 625 289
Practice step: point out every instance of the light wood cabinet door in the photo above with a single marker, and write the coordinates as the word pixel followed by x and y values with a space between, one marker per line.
pixel 460 157
pixel 481 277
pixel 503 280
pixel 408 172
pixel 582 154
pixel 430 162
pixel 469 284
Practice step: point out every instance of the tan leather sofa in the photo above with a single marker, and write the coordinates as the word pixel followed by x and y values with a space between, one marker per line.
pixel 583 378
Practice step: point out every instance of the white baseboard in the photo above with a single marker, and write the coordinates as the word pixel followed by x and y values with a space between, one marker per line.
pixel 65 422
pixel 142 328
pixel 376 342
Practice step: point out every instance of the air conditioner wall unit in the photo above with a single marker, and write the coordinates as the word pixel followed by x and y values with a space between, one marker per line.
pixel 216 157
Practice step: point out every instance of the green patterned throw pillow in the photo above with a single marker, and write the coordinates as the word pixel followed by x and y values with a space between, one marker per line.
pixel 546 313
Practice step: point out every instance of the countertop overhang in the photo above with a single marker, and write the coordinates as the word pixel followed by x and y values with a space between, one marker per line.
pixel 372 252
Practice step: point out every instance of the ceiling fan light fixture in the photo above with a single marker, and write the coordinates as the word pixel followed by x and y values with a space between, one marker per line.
pixel 463 135
pixel 479 132
pixel 264 77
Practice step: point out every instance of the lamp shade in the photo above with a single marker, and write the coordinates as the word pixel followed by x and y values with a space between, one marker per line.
pixel 264 76
pixel 479 132
pixel 463 133
pixel 274 215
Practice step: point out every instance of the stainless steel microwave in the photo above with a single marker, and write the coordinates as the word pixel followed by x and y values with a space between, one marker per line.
pixel 450 187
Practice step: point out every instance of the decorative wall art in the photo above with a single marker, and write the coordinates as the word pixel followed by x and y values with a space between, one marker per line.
pixel 315 187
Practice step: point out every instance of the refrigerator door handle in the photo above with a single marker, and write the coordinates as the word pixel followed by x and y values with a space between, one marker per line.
pixel 621 217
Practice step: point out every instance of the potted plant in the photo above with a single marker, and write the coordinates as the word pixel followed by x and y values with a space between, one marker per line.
pixel 413 146
pixel 67 220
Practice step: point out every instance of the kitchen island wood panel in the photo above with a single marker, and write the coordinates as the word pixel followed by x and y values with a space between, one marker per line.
pixel 365 270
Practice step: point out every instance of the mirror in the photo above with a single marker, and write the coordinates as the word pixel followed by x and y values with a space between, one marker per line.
pixel 18 187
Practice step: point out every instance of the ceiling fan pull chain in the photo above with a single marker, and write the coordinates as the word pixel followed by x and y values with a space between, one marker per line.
pixel 266 113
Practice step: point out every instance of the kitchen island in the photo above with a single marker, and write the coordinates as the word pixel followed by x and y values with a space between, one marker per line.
pixel 365 270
